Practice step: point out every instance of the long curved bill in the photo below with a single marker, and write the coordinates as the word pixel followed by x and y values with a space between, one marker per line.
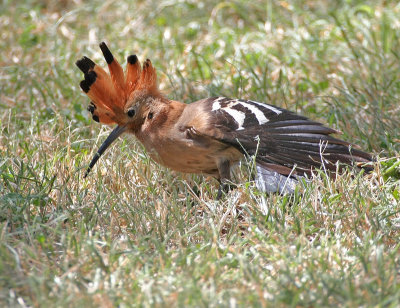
pixel 118 131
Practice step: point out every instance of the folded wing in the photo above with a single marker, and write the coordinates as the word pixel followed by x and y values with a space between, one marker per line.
pixel 283 142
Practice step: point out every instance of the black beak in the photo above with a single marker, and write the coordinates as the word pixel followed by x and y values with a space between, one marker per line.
pixel 114 135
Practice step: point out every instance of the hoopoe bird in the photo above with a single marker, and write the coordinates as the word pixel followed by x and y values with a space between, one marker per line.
pixel 211 135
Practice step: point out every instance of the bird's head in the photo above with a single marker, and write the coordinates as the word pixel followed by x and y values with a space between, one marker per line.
pixel 118 97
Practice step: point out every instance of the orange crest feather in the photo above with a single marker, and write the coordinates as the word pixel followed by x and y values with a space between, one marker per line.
pixel 110 92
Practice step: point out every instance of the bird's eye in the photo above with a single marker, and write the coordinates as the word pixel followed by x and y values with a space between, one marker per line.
pixel 131 112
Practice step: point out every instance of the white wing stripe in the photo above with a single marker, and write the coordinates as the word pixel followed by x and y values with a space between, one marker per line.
pixel 257 112
pixel 277 111
pixel 216 105
pixel 238 116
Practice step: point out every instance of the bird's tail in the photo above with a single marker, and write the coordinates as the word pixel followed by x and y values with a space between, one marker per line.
pixel 297 147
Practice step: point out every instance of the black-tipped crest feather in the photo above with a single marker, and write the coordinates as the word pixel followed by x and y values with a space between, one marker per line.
pixel 85 64
pixel 106 52
pixel 132 59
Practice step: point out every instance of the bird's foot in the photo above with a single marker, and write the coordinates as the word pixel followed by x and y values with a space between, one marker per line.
pixel 224 188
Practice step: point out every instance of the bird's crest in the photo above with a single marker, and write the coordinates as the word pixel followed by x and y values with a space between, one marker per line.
pixel 111 92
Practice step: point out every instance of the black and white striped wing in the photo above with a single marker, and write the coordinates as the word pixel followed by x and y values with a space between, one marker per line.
pixel 281 139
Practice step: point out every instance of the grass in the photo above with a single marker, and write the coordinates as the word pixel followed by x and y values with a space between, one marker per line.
pixel 134 233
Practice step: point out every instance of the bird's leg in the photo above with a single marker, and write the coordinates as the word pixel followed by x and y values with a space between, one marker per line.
pixel 224 168
pixel 223 188
pixel 196 190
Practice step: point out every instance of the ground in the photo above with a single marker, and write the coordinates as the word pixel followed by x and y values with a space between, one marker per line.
pixel 136 234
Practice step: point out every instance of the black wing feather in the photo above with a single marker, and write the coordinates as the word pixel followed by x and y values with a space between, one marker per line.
pixel 285 139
